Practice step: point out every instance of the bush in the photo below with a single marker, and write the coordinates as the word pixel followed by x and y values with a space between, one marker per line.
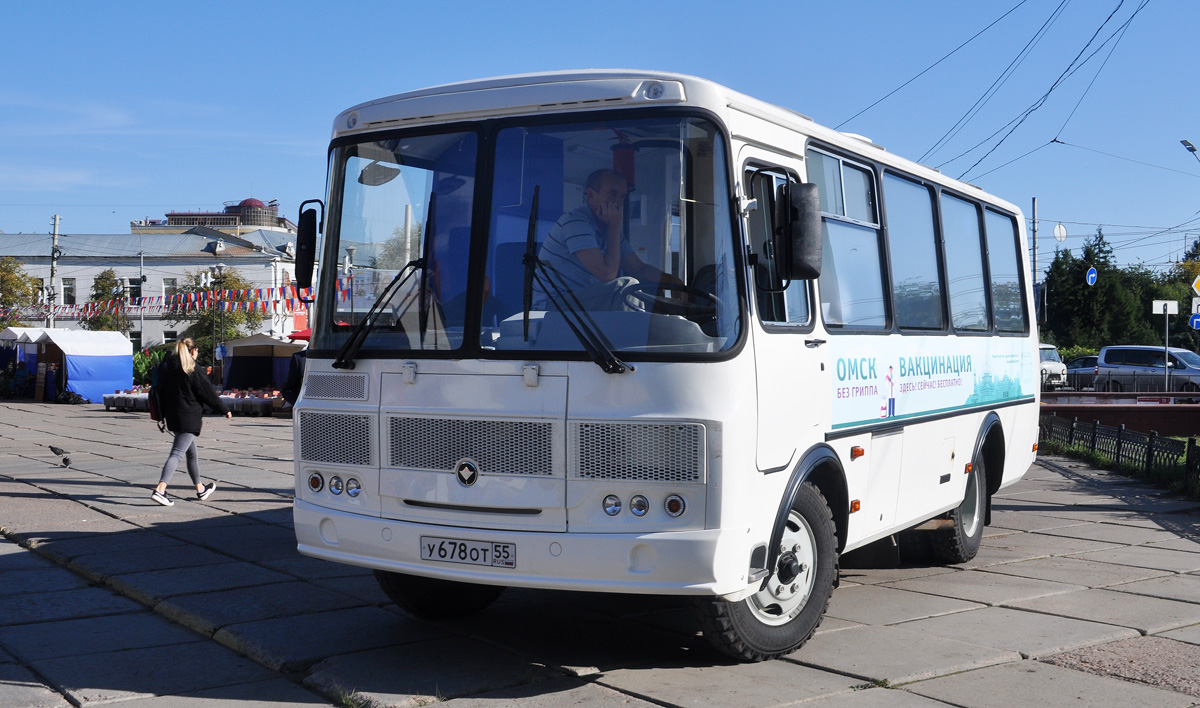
pixel 145 361
pixel 1070 353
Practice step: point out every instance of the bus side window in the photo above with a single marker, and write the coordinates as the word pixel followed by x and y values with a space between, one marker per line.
pixel 964 264
pixel 1007 293
pixel 791 305
pixel 916 277
pixel 851 282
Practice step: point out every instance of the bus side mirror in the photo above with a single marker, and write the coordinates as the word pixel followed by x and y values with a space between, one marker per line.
pixel 798 244
pixel 306 245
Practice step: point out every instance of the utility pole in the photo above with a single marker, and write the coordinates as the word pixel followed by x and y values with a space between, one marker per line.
pixel 1041 296
pixel 53 272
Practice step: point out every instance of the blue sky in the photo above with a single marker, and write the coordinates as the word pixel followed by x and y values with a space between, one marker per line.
pixel 122 110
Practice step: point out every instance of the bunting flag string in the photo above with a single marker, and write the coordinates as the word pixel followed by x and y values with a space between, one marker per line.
pixel 285 300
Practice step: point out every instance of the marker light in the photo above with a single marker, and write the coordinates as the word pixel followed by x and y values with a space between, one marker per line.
pixel 335 485
pixel 316 482
pixel 612 505
pixel 675 506
pixel 639 505
pixel 353 488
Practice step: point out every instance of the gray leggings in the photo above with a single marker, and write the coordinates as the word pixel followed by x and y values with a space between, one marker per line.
pixel 185 444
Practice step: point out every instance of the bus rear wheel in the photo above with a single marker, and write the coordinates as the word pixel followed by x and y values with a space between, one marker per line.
pixel 431 598
pixel 960 543
pixel 787 609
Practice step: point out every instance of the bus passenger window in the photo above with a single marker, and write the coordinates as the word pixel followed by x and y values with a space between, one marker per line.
pixel 851 282
pixel 1007 295
pixel 916 280
pixel 964 264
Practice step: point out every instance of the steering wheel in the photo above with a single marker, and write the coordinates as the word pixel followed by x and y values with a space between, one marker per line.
pixel 650 297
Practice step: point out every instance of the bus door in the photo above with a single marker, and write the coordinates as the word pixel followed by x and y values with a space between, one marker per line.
pixel 790 354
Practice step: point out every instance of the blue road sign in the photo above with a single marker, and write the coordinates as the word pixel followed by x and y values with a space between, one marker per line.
pixel 1194 321
pixel 1091 276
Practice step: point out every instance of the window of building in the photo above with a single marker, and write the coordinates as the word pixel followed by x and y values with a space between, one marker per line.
pixel 851 282
pixel 170 336
pixel 776 303
pixel 135 290
pixel 1007 300
pixel 964 264
pixel 912 240
pixel 136 338
pixel 68 286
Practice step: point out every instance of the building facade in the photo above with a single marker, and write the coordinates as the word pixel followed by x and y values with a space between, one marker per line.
pixel 151 265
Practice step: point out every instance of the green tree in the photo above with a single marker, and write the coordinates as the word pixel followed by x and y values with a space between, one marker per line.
pixel 17 290
pixel 209 325
pixel 107 287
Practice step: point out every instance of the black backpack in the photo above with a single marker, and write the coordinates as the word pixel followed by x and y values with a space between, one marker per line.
pixel 154 400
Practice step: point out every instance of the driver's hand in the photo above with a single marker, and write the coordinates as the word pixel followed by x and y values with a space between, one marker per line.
pixel 613 216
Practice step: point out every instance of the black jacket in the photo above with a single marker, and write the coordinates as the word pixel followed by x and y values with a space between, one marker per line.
pixel 184 397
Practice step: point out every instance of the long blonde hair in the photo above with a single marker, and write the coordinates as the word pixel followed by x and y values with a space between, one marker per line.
pixel 183 348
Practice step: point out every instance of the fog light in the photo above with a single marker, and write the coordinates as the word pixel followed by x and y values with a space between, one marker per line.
pixel 335 485
pixel 675 506
pixel 316 482
pixel 353 488
pixel 639 505
pixel 612 505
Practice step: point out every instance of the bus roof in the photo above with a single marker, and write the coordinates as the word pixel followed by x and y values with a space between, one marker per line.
pixel 596 89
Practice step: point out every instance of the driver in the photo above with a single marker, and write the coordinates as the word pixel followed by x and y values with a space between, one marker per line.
pixel 588 252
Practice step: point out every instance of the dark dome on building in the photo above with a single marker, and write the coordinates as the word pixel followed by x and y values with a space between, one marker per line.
pixel 252 202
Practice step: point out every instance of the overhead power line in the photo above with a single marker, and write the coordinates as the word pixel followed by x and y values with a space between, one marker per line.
pixel 926 69
pixel 1075 63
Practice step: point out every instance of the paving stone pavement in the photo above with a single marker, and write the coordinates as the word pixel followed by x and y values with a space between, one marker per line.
pixel 111 598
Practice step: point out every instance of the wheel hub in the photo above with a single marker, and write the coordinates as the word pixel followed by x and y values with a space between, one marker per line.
pixel 787 590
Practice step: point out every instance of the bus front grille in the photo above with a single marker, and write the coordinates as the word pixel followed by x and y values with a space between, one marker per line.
pixel 352 387
pixel 497 446
pixel 649 452
pixel 336 438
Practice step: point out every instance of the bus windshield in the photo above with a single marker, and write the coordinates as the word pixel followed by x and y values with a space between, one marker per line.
pixel 614 234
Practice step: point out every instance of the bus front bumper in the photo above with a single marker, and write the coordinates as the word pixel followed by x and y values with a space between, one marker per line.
pixel 702 562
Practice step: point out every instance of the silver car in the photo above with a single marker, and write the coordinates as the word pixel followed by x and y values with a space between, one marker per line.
pixel 1054 372
pixel 1142 368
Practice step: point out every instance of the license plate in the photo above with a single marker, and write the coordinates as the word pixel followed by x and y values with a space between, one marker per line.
pixel 455 550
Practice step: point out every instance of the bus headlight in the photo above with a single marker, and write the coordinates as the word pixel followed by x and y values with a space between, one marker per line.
pixel 675 506
pixel 335 485
pixel 612 505
pixel 639 505
pixel 353 488
pixel 316 482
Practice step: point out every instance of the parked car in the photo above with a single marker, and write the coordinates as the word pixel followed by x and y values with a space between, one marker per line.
pixel 1081 372
pixel 1054 374
pixel 1141 368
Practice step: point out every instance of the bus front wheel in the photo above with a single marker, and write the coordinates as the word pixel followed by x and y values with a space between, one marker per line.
pixel 960 543
pixel 430 598
pixel 787 609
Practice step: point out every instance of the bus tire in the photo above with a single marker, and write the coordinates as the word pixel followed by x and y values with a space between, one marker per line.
pixel 431 598
pixel 960 543
pixel 781 616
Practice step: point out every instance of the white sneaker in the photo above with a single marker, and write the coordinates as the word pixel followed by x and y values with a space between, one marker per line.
pixel 161 498
pixel 208 490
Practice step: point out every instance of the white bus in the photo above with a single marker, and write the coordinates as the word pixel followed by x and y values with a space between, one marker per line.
pixel 808 345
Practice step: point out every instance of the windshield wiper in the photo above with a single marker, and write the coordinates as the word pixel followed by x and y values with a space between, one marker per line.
pixel 585 329
pixel 345 356
pixel 530 259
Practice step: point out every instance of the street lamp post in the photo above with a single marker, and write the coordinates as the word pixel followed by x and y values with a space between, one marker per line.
pixel 221 310
pixel 349 272
pixel 1190 148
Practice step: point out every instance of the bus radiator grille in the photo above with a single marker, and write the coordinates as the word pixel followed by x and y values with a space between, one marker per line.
pixel 649 452
pixel 334 438
pixel 352 387
pixel 497 446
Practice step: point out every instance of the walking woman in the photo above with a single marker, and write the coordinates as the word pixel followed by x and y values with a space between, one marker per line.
pixel 185 390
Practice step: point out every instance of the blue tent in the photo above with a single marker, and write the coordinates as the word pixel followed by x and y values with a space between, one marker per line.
pixel 95 363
